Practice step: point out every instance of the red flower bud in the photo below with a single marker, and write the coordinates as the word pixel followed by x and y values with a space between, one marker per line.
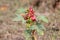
pixel 33 18
pixel 31 10
pixel 30 15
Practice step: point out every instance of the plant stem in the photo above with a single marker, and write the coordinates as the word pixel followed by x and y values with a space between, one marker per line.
pixel 33 35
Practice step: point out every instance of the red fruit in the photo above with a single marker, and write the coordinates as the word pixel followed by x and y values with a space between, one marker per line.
pixel 31 10
pixel 29 14
pixel 33 18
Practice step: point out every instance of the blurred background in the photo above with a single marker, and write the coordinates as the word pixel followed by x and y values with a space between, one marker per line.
pixel 10 30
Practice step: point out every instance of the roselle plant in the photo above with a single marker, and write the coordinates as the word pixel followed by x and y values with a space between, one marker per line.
pixel 32 22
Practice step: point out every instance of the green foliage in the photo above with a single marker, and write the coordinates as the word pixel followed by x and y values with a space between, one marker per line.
pixel 19 18
pixel 21 10
pixel 27 34
pixel 40 26
pixel 33 27
pixel 29 21
pixel 40 32
pixel 43 18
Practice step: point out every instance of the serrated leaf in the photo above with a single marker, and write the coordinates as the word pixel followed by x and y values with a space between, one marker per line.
pixel 33 27
pixel 40 32
pixel 28 31
pixel 27 34
pixel 40 26
pixel 19 18
pixel 43 18
pixel 21 10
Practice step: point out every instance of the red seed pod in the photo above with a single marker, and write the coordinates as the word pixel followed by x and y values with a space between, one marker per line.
pixel 33 18
pixel 30 14
pixel 31 10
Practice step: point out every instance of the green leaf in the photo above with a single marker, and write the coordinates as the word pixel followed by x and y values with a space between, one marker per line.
pixel 40 26
pixel 29 21
pixel 21 10
pixel 43 18
pixel 19 18
pixel 40 32
pixel 27 34
pixel 33 27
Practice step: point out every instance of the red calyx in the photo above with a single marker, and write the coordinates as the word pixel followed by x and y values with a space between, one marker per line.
pixel 33 18
pixel 30 15
pixel 31 10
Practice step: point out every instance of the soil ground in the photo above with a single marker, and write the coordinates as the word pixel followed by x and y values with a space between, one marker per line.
pixel 10 30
